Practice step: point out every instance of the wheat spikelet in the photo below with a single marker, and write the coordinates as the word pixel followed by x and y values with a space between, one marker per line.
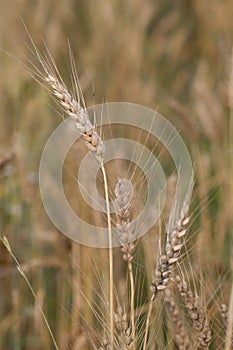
pixel 224 313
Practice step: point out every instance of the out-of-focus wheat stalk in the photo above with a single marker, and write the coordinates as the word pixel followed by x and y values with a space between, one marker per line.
pixel 229 318
pixel 77 111
pixel 6 243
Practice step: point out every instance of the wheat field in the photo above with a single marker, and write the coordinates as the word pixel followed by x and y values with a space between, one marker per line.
pixel 165 290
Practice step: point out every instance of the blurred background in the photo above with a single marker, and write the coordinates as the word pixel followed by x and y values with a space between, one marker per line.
pixel 175 57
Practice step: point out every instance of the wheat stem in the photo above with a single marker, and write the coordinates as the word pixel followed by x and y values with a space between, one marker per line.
pixel 148 323
pixel 132 291
pixel 110 250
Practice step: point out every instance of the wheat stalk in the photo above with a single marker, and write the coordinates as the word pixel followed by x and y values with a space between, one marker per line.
pixel 6 243
pixel 77 111
pixel 110 250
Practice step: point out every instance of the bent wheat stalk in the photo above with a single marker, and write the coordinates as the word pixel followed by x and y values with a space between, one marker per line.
pixel 6 243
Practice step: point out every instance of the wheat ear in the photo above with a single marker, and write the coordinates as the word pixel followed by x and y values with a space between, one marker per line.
pixel 196 312
pixel 122 325
pixel 127 238
pixel 174 241
pixel 181 337
pixel 167 261
pixel 74 110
